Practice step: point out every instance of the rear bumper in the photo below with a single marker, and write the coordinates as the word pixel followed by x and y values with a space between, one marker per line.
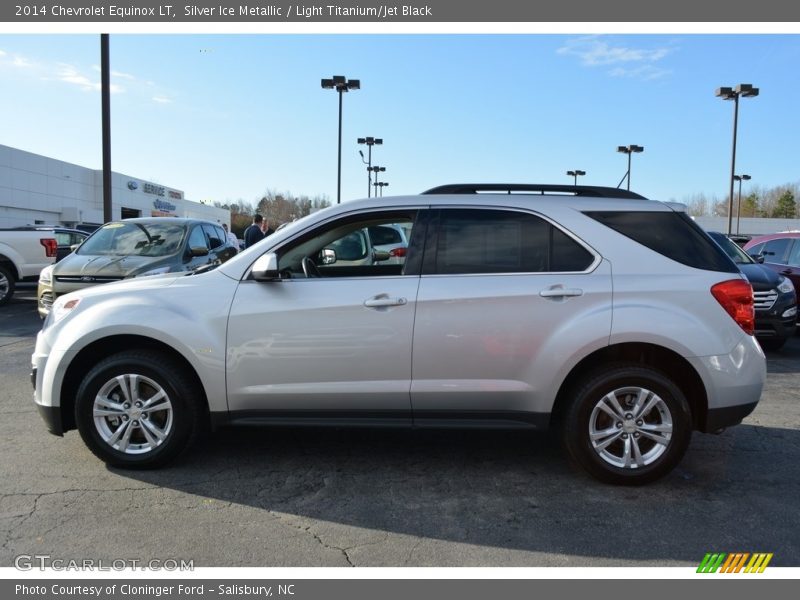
pixel 733 383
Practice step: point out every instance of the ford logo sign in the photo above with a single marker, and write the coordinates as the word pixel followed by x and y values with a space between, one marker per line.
pixel 132 185
pixel 86 278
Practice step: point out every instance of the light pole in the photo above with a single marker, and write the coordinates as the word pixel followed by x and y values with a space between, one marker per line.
pixel 380 184
pixel 576 173
pixel 628 150
pixel 341 85
pixel 376 169
pixel 370 142
pixel 748 91
pixel 740 178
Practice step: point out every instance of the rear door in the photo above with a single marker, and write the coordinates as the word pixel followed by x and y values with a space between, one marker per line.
pixel 503 293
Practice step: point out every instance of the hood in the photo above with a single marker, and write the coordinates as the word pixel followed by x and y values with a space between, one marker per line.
pixel 102 265
pixel 760 277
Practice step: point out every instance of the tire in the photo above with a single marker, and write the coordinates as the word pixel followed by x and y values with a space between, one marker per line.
pixel 123 436
pixel 7 284
pixel 772 344
pixel 665 413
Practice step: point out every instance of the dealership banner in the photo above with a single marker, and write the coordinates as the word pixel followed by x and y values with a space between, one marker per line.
pixel 430 11
pixel 405 589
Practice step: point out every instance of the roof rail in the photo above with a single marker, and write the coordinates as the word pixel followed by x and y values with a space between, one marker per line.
pixel 534 188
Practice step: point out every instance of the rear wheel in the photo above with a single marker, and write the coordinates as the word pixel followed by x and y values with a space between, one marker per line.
pixel 138 409
pixel 627 424
pixel 7 284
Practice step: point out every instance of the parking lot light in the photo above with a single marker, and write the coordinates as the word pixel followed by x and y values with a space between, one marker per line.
pixel 576 173
pixel 370 142
pixel 745 90
pixel 341 85
pixel 628 150
pixel 740 178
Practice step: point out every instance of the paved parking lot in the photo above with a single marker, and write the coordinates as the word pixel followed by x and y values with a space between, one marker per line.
pixel 267 497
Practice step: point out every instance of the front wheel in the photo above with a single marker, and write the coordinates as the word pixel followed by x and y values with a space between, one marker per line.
pixel 627 424
pixel 137 409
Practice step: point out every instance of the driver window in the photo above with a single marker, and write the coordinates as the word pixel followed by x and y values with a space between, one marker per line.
pixel 373 244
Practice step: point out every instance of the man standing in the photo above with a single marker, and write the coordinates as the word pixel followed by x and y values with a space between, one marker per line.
pixel 254 234
pixel 231 237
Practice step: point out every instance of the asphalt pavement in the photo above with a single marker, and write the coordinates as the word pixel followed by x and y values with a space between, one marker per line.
pixel 331 497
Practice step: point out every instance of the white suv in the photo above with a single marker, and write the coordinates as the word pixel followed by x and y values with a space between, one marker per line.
pixel 591 310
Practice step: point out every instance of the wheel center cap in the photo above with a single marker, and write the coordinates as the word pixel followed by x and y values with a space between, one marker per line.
pixel 629 426
pixel 135 413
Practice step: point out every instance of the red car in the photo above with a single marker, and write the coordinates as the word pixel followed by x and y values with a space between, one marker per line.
pixel 781 253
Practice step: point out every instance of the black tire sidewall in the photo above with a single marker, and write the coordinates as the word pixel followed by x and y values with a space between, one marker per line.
pixel 11 284
pixel 166 374
pixel 576 426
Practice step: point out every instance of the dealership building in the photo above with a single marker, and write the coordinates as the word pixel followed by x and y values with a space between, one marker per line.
pixel 37 190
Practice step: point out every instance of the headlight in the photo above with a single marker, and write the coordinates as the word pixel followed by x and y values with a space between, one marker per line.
pixel 61 308
pixel 46 276
pixel 158 271
pixel 785 286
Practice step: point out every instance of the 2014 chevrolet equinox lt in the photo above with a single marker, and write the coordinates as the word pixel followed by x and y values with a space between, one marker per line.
pixel 591 310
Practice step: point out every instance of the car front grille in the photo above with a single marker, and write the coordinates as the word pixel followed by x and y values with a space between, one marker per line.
pixel 87 278
pixel 764 300
pixel 46 300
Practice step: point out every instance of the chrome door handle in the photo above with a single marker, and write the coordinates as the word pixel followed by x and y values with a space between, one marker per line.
pixel 381 301
pixel 560 292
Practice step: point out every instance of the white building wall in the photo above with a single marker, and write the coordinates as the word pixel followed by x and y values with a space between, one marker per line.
pixel 36 188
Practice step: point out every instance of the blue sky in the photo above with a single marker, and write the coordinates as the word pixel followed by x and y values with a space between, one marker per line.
pixel 225 117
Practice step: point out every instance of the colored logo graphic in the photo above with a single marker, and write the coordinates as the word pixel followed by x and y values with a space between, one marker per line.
pixel 734 563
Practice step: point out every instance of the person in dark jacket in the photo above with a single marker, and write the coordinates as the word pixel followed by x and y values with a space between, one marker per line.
pixel 253 233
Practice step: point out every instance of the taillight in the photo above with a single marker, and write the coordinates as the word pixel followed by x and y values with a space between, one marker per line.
pixel 736 297
pixel 398 252
pixel 50 247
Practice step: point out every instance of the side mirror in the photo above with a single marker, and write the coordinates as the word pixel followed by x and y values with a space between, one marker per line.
pixel 198 251
pixel 266 267
pixel 380 255
pixel 759 258
pixel 327 256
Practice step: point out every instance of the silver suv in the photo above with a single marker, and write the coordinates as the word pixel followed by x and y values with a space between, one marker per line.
pixel 609 317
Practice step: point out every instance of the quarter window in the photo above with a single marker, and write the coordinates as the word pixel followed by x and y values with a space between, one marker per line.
pixel 497 241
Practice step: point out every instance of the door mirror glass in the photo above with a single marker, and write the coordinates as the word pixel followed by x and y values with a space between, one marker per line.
pixel 327 256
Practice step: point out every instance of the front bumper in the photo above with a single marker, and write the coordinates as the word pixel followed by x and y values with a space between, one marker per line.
pixel 50 414
pixel 720 418
pixel 772 324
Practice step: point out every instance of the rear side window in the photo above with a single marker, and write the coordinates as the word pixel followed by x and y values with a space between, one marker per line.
pixel 671 234
pixel 499 241
pixel 775 250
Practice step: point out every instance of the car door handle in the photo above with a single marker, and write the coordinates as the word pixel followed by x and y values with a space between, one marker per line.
pixel 787 271
pixel 560 292
pixel 382 301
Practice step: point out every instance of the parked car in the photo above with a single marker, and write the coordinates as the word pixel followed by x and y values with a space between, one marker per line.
pixel 610 318
pixel 134 248
pixel 775 299
pixel 780 252
pixel 67 239
pixel 24 252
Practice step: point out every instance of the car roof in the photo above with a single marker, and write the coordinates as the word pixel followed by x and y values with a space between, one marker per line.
pixel 174 220
pixel 772 236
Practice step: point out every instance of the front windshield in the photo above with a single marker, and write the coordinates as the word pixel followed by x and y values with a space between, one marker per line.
pixel 732 249
pixel 135 239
